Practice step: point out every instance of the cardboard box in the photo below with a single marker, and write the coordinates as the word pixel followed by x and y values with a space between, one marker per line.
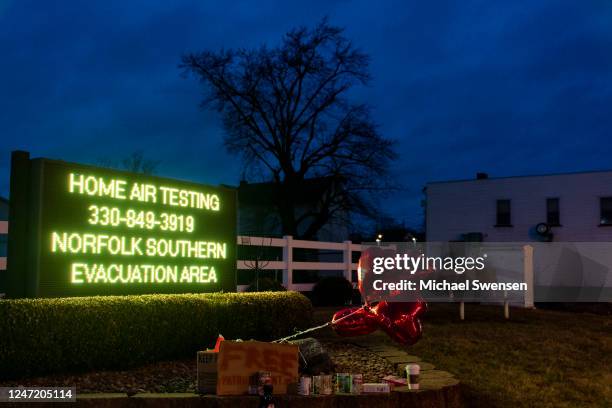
pixel 238 361
pixel 376 388
pixel 207 372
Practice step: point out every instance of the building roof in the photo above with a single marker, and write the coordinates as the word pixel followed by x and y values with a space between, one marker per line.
pixel 523 176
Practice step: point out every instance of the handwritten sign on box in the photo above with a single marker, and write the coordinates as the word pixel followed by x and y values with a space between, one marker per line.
pixel 238 361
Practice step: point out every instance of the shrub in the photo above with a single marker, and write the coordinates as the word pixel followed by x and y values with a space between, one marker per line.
pixel 103 332
pixel 332 291
pixel 266 285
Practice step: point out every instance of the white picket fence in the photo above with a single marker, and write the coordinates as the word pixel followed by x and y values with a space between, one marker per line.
pixel 287 265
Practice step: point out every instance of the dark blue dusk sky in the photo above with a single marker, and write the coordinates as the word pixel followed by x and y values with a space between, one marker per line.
pixel 505 87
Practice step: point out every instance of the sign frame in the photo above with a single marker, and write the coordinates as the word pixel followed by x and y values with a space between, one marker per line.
pixel 30 193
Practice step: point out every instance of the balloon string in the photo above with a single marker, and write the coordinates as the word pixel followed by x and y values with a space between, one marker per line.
pixel 284 339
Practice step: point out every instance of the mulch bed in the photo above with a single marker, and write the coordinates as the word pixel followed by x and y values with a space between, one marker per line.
pixel 180 375
pixel 350 358
pixel 169 376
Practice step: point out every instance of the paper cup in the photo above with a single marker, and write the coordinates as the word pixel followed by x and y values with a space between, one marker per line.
pixel 412 374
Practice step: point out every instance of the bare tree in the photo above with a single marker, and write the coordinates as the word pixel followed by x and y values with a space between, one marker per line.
pixel 286 110
pixel 135 163
pixel 257 259
pixel 138 163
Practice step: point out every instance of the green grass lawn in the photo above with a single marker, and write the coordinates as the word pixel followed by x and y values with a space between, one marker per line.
pixel 537 358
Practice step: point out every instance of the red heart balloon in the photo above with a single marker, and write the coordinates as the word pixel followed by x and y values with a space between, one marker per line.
pixel 401 320
pixel 360 322
pixel 366 276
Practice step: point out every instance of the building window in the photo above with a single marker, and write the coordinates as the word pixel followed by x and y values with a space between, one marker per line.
pixel 552 212
pixel 503 213
pixel 605 208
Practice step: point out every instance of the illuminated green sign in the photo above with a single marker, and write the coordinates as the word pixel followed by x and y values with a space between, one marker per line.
pixel 78 230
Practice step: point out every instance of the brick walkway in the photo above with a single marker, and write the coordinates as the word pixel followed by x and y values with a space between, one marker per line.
pixel 430 378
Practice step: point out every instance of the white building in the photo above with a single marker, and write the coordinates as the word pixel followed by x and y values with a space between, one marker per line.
pixel 577 207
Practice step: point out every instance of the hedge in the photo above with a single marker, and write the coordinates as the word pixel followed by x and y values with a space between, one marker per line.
pixel 109 332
